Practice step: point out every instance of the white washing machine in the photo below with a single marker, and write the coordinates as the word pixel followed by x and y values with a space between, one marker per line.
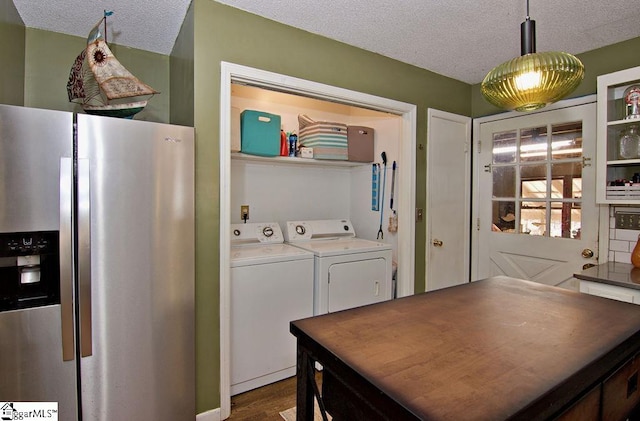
pixel 348 271
pixel 271 285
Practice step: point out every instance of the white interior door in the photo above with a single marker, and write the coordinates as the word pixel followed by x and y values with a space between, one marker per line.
pixel 448 199
pixel 537 216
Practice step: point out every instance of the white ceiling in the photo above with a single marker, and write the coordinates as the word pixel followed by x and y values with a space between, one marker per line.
pixel 462 39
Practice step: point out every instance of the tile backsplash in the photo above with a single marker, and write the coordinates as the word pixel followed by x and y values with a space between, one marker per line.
pixel 621 241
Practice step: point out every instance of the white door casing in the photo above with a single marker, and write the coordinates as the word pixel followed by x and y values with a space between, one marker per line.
pixel 405 198
pixel 448 199
pixel 541 258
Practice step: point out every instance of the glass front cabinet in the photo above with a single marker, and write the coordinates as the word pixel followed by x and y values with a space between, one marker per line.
pixel 618 144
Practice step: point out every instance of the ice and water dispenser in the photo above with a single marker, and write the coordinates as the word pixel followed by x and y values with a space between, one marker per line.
pixel 29 270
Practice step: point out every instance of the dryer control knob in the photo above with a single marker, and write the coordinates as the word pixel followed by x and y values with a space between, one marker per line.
pixel 267 231
pixel 300 230
pixel 236 232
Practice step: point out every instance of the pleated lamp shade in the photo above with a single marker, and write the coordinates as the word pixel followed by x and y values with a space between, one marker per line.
pixel 533 80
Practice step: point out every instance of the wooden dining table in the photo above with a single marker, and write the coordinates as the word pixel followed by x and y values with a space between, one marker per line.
pixel 496 349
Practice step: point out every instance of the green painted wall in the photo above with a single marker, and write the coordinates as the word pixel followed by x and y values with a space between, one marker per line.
pixel 48 60
pixel 12 34
pixel 181 74
pixel 612 58
pixel 226 34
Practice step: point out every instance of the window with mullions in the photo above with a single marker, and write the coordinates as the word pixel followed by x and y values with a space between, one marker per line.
pixel 537 181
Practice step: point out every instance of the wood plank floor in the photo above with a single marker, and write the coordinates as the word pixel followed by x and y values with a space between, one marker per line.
pixel 265 403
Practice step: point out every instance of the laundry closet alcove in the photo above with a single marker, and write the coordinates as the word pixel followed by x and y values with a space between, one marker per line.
pixel 290 188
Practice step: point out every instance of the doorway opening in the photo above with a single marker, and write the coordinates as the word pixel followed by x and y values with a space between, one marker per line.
pixel 234 73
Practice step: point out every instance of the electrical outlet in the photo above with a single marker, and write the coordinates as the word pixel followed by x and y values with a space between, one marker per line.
pixel 244 212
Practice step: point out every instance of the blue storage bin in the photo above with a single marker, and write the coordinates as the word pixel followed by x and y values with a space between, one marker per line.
pixel 259 133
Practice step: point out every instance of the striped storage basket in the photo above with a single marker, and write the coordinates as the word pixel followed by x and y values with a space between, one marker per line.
pixel 328 139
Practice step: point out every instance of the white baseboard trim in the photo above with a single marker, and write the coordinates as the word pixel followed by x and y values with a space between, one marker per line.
pixel 211 415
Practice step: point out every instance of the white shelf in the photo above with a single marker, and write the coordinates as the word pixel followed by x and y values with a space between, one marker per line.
pixel 289 160
pixel 623 162
pixel 626 121
pixel 611 122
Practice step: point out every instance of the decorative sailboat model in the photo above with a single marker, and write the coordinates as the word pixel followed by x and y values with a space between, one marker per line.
pixel 102 84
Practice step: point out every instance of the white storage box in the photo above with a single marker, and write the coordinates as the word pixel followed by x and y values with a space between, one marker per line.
pixel 624 192
pixel 328 139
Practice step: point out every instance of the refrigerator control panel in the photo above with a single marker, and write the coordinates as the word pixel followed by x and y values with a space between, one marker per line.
pixel 22 244
pixel 29 270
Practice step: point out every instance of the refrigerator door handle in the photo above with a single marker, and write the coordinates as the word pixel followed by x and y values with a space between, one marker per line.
pixel 66 258
pixel 84 257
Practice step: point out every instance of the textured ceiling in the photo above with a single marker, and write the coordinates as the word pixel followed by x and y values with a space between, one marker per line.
pixel 151 25
pixel 462 39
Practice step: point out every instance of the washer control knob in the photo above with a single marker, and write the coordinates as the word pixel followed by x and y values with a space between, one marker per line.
pixel 236 232
pixel 345 227
pixel 267 231
pixel 300 230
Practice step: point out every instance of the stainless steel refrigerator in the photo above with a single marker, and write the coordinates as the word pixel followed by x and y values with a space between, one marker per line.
pixel 97 265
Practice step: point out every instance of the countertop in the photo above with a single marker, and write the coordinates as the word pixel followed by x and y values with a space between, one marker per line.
pixel 613 273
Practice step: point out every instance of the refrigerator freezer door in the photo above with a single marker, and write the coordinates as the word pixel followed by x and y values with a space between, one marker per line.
pixel 31 360
pixel 32 143
pixel 141 243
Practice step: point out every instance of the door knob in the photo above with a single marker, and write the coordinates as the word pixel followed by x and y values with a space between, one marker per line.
pixel 587 253
pixel 437 243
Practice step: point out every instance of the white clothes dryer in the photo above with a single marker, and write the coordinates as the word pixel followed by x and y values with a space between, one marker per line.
pixel 348 271
pixel 271 285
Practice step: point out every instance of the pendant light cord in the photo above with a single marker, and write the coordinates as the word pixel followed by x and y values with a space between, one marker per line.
pixel 528 35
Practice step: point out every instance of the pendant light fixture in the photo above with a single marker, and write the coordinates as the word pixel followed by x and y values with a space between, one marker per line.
pixel 533 80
